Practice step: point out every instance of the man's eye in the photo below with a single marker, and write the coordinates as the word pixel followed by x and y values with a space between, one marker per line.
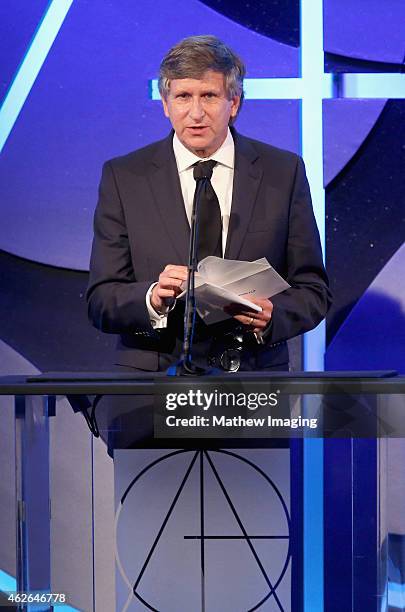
pixel 183 96
pixel 210 95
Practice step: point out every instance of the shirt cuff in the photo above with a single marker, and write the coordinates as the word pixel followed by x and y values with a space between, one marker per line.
pixel 158 321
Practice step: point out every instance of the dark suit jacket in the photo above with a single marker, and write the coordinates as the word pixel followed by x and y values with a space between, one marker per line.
pixel 140 226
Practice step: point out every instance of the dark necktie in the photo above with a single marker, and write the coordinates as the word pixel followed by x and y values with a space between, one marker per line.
pixel 209 240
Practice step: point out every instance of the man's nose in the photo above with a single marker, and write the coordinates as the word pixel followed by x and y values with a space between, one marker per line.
pixel 196 111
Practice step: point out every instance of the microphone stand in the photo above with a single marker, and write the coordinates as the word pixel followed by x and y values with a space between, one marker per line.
pixel 186 367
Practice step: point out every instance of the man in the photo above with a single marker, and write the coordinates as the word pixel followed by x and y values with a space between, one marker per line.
pixel 141 228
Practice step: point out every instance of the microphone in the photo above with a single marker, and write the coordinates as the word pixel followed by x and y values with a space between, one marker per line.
pixel 186 367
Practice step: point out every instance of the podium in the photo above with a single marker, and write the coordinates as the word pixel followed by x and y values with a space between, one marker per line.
pixel 290 522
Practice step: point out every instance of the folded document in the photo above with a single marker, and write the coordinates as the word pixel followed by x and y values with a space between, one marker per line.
pixel 220 282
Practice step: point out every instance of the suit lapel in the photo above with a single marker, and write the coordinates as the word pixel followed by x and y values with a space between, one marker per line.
pixel 165 185
pixel 247 176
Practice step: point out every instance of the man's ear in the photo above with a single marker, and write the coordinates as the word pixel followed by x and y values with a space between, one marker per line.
pixel 165 107
pixel 235 106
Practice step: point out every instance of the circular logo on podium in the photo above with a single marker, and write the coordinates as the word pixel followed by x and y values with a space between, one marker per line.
pixel 204 530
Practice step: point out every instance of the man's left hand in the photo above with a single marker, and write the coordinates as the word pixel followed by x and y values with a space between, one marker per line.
pixel 254 321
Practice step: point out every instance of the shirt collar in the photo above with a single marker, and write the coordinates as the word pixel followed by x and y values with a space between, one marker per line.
pixel 225 155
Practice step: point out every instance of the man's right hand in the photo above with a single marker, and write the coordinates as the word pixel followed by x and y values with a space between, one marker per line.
pixel 168 287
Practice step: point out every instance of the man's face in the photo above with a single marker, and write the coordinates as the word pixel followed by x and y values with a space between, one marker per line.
pixel 199 111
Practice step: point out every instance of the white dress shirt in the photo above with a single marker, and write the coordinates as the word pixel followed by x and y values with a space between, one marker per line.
pixel 222 183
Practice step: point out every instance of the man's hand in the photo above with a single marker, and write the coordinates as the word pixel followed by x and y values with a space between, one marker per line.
pixel 168 287
pixel 254 321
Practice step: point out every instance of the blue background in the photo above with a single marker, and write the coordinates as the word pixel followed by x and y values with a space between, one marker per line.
pixel 91 101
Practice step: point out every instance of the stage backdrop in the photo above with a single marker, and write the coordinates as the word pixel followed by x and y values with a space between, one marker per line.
pixel 77 83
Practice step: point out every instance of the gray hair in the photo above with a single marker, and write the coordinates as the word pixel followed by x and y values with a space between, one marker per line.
pixel 193 56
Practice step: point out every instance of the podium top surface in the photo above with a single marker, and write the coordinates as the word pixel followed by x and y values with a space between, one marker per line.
pixel 105 383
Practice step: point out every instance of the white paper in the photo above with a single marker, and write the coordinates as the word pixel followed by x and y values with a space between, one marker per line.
pixel 221 282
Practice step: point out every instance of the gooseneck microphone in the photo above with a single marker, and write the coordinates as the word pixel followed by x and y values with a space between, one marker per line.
pixel 205 239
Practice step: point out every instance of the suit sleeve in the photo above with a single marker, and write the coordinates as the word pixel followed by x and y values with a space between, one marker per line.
pixel 116 301
pixel 305 304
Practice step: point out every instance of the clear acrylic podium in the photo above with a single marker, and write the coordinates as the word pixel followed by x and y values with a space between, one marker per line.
pixel 340 546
